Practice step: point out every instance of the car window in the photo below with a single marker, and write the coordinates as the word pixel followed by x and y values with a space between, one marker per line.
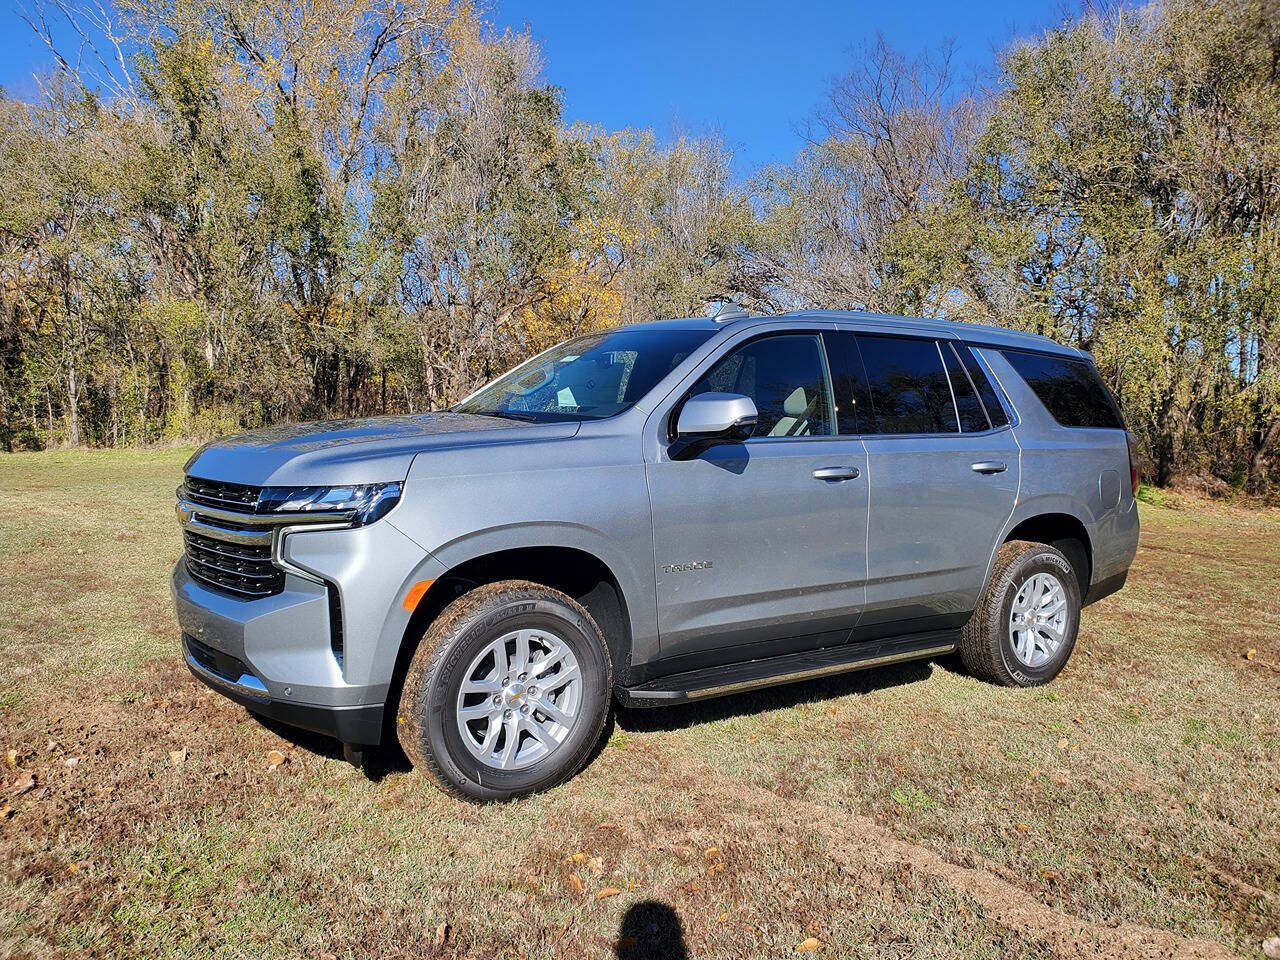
pixel 587 378
pixel 785 376
pixel 973 419
pixel 848 384
pixel 1070 389
pixel 987 392
pixel 908 385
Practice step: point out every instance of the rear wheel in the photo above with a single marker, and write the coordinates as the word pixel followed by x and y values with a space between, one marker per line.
pixel 507 693
pixel 1025 626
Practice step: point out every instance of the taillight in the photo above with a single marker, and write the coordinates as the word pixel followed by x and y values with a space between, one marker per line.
pixel 1133 461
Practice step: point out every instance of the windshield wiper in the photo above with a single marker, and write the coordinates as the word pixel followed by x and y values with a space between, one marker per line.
pixel 509 415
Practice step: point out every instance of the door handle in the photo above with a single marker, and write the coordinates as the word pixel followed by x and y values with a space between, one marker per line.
pixel 990 466
pixel 836 474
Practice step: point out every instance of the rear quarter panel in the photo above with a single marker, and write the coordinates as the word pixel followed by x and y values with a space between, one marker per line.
pixel 1080 472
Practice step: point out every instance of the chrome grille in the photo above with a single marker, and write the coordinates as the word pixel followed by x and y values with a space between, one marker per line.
pixel 228 544
pixel 230 496
pixel 243 569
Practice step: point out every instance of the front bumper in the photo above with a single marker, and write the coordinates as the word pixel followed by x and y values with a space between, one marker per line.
pixel 357 724
pixel 275 654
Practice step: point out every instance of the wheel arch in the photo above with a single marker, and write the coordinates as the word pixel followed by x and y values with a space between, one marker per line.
pixel 573 570
pixel 1066 530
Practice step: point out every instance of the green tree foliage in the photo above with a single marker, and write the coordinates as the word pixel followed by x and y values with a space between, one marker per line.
pixel 264 210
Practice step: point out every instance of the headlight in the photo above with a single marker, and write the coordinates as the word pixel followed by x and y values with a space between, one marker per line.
pixel 364 503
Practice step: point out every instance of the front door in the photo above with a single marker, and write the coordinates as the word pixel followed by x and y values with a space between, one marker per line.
pixel 760 546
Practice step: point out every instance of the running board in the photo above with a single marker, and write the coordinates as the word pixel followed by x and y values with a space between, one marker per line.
pixel 788 668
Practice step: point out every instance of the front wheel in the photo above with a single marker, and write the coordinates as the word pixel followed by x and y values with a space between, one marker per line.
pixel 507 693
pixel 1025 626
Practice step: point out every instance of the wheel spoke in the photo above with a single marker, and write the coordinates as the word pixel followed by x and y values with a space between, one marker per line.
pixel 477 711
pixel 535 731
pixel 1021 643
pixel 491 736
pixel 558 680
pixel 1053 607
pixel 500 665
pixel 552 712
pixel 513 737
pixel 489 685
pixel 521 662
pixel 1054 631
pixel 555 655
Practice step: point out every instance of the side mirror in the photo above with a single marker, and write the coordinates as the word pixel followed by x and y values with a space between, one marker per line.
pixel 711 418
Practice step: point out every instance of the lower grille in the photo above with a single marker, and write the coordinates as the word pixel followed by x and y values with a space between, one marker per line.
pixel 215 661
pixel 237 568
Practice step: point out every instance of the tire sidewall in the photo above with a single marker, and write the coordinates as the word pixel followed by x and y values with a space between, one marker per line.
pixel 1042 559
pixel 439 699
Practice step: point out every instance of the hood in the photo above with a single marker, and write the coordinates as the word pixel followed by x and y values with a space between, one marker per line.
pixel 371 450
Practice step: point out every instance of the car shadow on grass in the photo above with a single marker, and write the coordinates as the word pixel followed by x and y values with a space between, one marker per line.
pixel 377 763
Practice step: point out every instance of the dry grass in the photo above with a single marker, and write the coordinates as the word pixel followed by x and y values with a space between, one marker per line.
pixel 1130 809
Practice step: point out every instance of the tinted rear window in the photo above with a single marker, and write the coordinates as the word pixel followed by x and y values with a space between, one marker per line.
pixel 995 409
pixel 909 388
pixel 1071 390
pixel 973 418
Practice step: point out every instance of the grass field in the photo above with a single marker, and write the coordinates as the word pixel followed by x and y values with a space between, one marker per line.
pixel 1132 808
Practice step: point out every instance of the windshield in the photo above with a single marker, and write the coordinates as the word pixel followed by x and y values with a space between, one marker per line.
pixel 587 378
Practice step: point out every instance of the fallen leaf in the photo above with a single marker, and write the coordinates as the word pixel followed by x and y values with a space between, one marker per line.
pixel 275 759
pixel 595 865
pixel 26 780
pixel 607 892
pixel 724 917
pixel 575 881
pixel 178 757
pixel 442 934
pixel 1022 828
pixel 1271 948
pixel 715 868
pixel 6 811
pixel 578 857
pixel 11 757
pixel 1063 743
pixel 71 761
pixel 808 944
pixel 563 930
pixel 1253 652
pixel 711 852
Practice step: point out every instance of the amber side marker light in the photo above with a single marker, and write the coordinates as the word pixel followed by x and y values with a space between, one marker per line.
pixel 416 593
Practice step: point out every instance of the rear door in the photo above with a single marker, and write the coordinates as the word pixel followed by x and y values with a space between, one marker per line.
pixel 943 479
pixel 760 546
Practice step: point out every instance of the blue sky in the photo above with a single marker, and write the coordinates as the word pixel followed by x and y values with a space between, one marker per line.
pixel 752 71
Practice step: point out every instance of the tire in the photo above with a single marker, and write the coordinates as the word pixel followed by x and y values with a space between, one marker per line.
pixel 995 647
pixel 458 753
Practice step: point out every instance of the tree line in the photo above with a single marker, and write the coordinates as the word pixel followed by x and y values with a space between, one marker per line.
pixel 222 214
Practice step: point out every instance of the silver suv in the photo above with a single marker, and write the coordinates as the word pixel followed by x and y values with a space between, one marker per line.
pixel 657 514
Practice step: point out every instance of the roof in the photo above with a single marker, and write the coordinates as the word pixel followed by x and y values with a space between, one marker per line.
pixel 973 333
